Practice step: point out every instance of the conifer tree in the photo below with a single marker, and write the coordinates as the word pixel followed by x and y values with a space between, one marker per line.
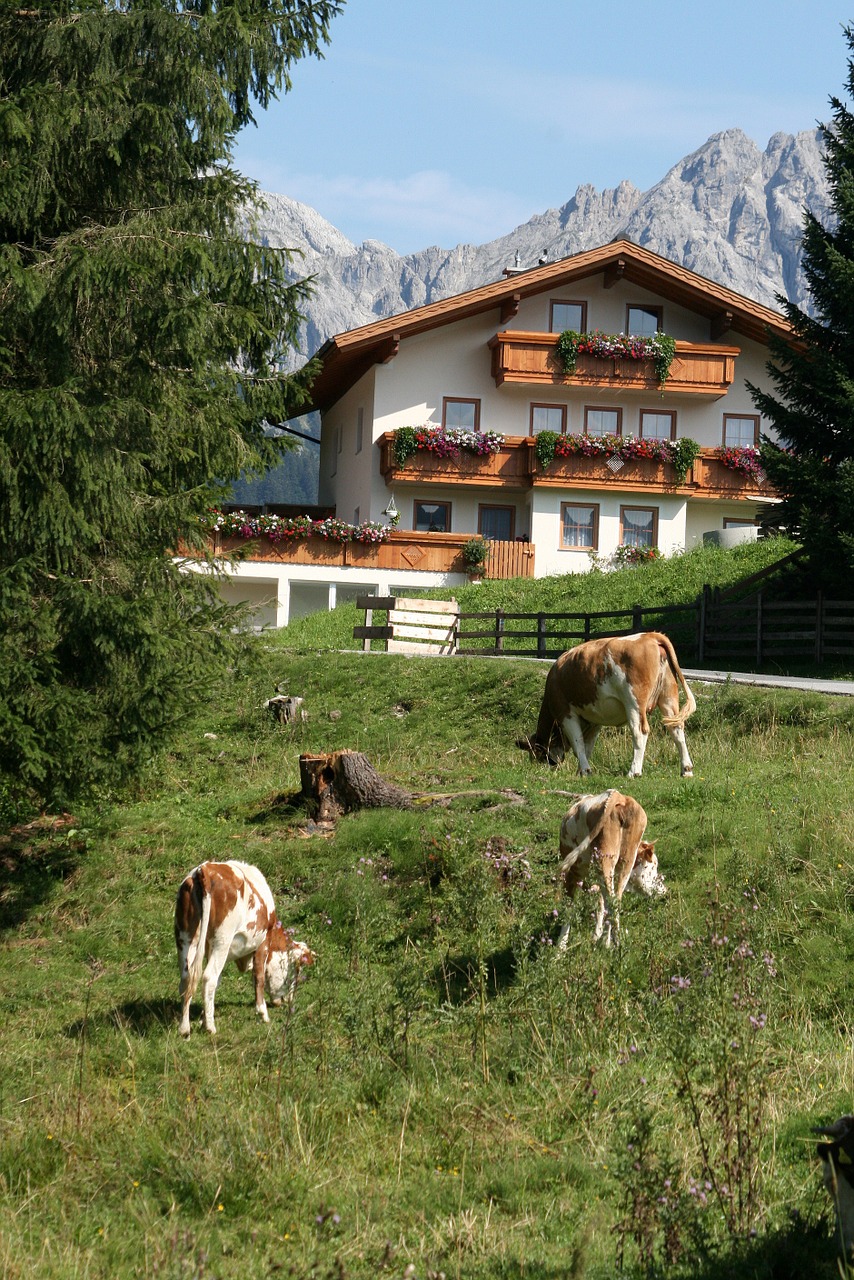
pixel 812 466
pixel 142 338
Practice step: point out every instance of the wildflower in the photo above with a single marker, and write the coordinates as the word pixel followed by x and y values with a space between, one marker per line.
pixel 220 1208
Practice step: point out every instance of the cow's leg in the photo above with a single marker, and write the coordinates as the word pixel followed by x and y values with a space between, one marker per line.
pixel 639 729
pixel 591 733
pixel 210 981
pixel 185 988
pixel 259 968
pixel 601 913
pixel 573 728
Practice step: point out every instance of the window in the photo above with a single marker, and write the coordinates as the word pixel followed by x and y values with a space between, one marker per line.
pixel 579 527
pixel 360 429
pixel 567 315
pixel 657 424
pixel 639 526
pixel 548 417
pixel 643 321
pixel 497 523
pixel 356 515
pixel 741 432
pixel 464 414
pixel 731 523
pixel 602 422
pixel 432 517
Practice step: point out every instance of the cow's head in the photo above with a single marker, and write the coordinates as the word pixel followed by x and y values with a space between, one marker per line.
pixel 283 968
pixel 552 752
pixel 646 877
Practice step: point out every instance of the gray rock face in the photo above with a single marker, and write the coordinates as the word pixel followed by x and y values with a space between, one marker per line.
pixel 729 211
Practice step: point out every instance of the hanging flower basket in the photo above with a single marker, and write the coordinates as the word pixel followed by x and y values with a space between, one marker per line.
pixel 658 347
pixel 237 524
pixel 745 459
pixel 680 453
pixel 443 442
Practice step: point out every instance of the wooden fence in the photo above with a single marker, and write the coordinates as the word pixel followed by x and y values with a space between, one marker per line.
pixel 713 631
pixel 412 625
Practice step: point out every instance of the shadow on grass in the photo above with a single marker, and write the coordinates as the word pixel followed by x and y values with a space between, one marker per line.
pixel 457 977
pixel 34 858
pixel 139 1017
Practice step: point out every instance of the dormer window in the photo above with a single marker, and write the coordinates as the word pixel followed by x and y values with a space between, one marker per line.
pixel 643 321
pixel 567 315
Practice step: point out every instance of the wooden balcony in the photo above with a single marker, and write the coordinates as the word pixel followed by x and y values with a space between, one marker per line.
pixel 580 472
pixel 508 468
pixel 426 552
pixel 705 369
pixel 516 467
pixel 711 479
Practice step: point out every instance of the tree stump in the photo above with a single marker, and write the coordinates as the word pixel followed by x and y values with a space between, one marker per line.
pixel 346 780
pixel 286 709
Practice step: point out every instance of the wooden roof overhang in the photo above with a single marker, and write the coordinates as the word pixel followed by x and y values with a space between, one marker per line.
pixel 346 357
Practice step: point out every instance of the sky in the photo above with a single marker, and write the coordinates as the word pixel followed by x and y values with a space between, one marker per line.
pixel 441 122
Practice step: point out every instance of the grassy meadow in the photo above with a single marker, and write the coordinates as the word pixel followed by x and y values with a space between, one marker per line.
pixel 450 1094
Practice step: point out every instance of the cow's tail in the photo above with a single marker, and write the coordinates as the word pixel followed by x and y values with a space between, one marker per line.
pixel 196 959
pixel 690 705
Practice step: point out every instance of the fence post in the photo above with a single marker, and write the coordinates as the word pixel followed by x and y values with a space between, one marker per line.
pixel 759 628
pixel 369 622
pixel 499 630
pixel 541 635
pixel 587 626
pixel 637 617
pixel 819 626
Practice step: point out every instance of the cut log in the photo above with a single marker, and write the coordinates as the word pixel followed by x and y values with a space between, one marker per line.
pixel 346 780
pixel 287 709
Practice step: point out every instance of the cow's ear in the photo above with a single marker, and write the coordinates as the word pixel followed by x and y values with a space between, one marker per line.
pixel 647 850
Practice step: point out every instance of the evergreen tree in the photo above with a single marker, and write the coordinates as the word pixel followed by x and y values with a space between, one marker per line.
pixel 141 347
pixel 813 413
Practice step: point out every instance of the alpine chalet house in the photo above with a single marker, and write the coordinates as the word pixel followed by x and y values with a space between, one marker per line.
pixel 482 415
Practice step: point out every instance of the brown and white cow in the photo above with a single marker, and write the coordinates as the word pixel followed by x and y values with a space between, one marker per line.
pixel 601 843
pixel 225 911
pixel 613 681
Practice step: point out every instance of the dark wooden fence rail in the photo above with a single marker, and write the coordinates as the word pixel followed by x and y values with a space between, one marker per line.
pixel 714 630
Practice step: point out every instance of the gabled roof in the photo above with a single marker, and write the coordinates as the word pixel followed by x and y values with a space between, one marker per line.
pixel 347 356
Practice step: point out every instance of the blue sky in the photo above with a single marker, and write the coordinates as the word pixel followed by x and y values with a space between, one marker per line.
pixel 439 122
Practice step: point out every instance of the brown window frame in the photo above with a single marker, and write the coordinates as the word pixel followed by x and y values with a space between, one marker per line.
pixel 604 408
pixel 659 413
pixel 567 302
pixel 497 506
pixel 475 400
pixel 744 417
pixel 437 502
pixel 645 306
pixel 566 546
pixel 544 404
pixel 634 506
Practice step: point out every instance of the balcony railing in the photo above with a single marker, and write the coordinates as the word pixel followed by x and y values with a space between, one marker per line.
pixel 515 466
pixel 508 468
pixel 705 369
pixel 426 552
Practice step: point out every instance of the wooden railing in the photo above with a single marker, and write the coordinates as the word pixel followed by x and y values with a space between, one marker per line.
pixel 515 466
pixel 704 369
pixel 427 552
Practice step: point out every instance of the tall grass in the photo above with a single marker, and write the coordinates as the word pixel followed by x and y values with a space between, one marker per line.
pixel 450 1092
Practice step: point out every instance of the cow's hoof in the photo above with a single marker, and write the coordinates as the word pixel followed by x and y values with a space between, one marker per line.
pixel 185 1032
pixel 687 773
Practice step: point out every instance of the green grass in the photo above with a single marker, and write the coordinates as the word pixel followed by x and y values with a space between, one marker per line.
pixel 449 1090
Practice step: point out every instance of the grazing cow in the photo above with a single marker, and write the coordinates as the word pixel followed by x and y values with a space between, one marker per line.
pixel 837 1160
pixel 225 911
pixel 615 681
pixel 601 842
